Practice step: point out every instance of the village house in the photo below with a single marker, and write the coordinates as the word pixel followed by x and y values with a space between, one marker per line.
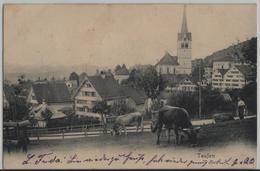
pixel 100 87
pixel 135 97
pixel 235 77
pixel 54 93
pixel 187 85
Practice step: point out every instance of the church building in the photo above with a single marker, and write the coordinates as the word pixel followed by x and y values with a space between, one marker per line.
pixel 180 64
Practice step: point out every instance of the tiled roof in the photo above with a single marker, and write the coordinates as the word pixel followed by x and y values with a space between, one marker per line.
pixel 137 95
pixel 168 59
pixel 107 87
pixel 52 92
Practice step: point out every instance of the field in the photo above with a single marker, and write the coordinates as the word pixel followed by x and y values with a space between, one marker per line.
pixel 218 139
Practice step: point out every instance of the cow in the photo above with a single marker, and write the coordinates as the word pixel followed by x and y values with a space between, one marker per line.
pixel 122 121
pixel 175 118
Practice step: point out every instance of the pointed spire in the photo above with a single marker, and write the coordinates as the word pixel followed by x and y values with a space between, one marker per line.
pixel 184 28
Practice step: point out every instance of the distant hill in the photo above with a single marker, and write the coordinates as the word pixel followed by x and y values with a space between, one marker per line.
pixel 12 71
pixel 233 51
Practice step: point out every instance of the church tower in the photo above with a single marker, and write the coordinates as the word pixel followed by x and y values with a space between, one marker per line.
pixel 184 47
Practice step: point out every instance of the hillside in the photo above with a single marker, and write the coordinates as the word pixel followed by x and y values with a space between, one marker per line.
pixel 233 51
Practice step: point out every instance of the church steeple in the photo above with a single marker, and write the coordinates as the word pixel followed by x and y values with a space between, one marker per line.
pixel 184 28
pixel 184 46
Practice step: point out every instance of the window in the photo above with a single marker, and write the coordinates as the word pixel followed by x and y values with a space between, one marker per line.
pixel 186 45
pixel 230 76
pixel 168 70
pixel 182 45
pixel 235 80
pixel 81 109
pixel 93 94
pixel 234 72
pixel 228 80
pixel 235 85
pixel 88 85
pixel 81 101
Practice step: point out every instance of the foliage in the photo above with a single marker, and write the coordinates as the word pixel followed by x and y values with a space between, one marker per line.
pixel 149 80
pixel 101 107
pixel 118 67
pixel 249 94
pixel 211 102
pixel 17 110
pixel 186 100
pixel 74 76
pixel 120 107
pixel 250 51
pixel 197 73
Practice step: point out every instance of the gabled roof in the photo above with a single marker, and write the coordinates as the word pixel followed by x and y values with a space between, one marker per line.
pixel 168 59
pixel 246 70
pixel 137 95
pixel 107 87
pixel 52 92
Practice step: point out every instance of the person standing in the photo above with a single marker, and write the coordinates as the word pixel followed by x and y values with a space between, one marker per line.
pixel 241 106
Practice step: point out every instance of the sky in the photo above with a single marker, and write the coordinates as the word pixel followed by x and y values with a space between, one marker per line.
pixel 110 34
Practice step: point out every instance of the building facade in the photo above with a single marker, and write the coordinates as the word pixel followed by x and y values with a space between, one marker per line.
pixel 235 77
pixel 95 89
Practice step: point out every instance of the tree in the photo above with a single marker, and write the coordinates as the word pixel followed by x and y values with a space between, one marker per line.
pixel 151 82
pixel 186 100
pixel 118 67
pixel 120 107
pixel 249 94
pixel 101 107
pixel 74 76
pixel 250 51
pixel 197 73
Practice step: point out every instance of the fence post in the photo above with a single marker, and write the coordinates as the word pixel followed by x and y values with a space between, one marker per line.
pixel 85 130
pixel 38 137
pixel 63 134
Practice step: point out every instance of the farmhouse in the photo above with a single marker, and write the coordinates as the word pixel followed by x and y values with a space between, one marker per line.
pixel 135 97
pixel 236 77
pixel 100 87
pixel 187 85
pixel 54 93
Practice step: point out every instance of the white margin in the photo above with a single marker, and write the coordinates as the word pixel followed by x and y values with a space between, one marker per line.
pixel 122 2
